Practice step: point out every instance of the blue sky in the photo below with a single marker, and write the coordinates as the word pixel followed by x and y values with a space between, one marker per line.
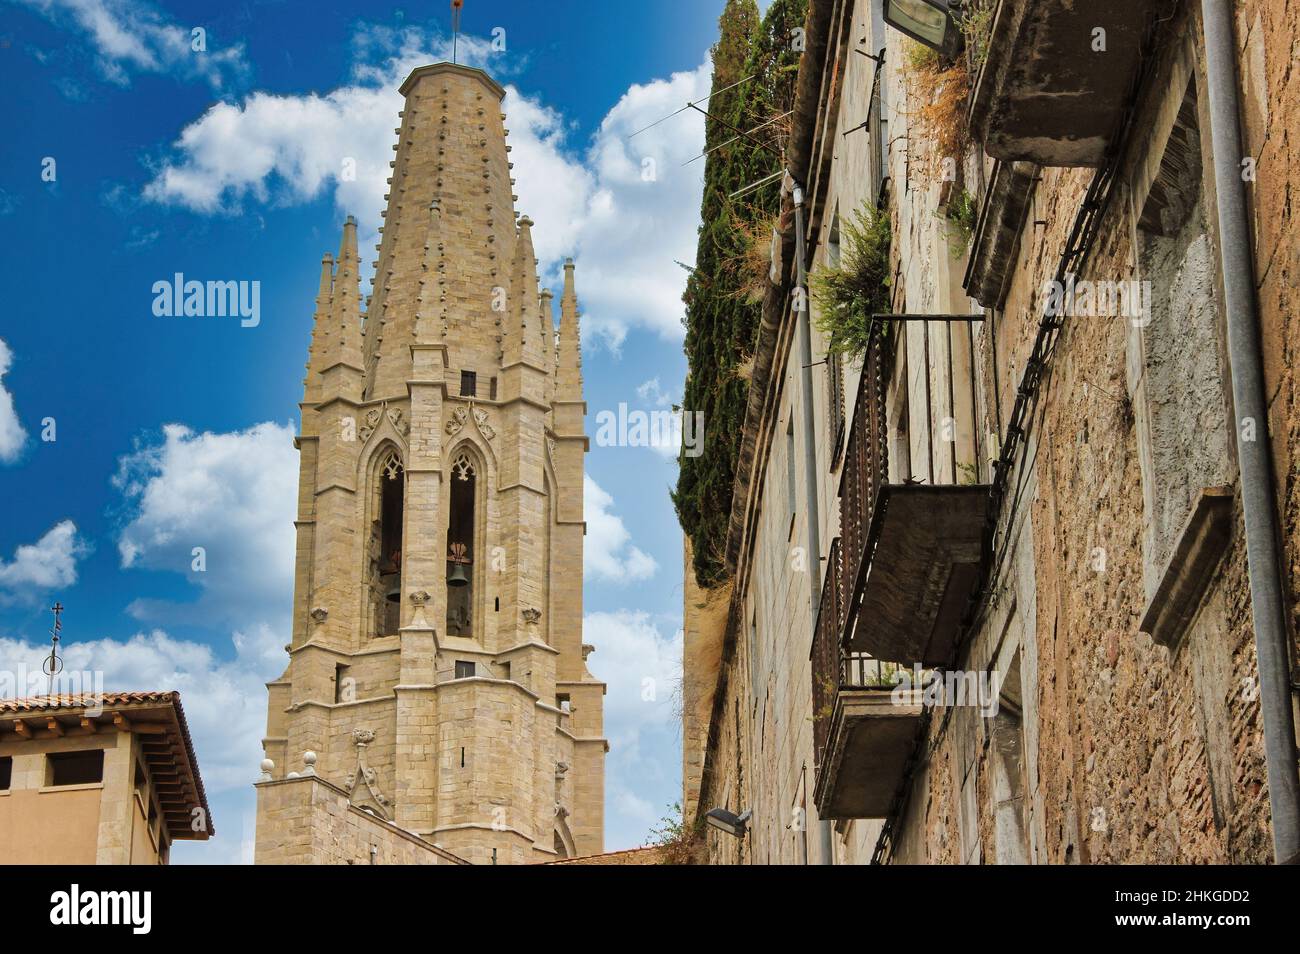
pixel 130 157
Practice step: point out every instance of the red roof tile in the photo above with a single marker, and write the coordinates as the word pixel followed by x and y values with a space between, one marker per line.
pixel 67 701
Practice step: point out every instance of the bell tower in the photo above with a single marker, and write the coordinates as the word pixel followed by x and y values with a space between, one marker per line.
pixel 437 673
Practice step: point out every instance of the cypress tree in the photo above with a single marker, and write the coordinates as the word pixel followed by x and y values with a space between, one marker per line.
pixel 721 318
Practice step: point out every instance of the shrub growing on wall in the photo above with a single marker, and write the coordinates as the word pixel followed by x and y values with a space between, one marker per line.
pixel 849 295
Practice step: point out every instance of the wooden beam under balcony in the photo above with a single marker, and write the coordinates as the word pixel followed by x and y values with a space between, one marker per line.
pixel 870 740
pixel 921 565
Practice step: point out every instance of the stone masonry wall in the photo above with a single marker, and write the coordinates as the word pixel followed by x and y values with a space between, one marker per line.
pixel 1111 747
pixel 309 821
pixel 1138 753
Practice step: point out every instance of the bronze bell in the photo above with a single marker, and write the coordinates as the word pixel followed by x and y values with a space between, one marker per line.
pixel 458 558
pixel 393 591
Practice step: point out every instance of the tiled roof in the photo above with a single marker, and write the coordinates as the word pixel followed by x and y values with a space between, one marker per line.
pixel 647 855
pixel 66 701
pixel 15 708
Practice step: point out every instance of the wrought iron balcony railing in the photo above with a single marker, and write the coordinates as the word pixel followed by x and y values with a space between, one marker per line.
pixel 898 580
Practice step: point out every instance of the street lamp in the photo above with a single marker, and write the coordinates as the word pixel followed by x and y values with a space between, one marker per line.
pixel 723 820
pixel 926 21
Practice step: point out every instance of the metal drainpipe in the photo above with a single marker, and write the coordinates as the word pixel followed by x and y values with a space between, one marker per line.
pixel 1263 559
pixel 827 852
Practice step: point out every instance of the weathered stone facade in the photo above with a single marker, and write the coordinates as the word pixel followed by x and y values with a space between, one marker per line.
pixel 444 446
pixel 1114 614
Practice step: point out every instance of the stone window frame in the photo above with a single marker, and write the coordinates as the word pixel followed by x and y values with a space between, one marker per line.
pixel 1169 559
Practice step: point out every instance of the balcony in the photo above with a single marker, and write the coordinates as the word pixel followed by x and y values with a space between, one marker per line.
pixel 870 743
pixel 862 733
pixel 911 551
pixel 1047 92
pixel 898 583
pixel 920 565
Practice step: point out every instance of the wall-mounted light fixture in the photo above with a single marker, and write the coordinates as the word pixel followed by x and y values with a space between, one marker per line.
pixel 930 22
pixel 733 824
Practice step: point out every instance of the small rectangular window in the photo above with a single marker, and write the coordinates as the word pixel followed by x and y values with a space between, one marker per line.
pixel 468 384
pixel 562 701
pixel 344 688
pixel 464 668
pixel 6 772
pixel 75 768
pixel 492 387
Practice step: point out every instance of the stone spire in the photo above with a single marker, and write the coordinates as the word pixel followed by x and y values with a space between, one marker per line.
pixel 568 375
pixel 416 435
pixel 340 330
pixel 522 339
pixel 451 149
pixel 547 321
pixel 319 331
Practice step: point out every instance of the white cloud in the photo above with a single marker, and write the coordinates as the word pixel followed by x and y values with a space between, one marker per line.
pixel 625 209
pixel 286 150
pixel 12 435
pixel 232 494
pixel 642 669
pixel 637 229
pixel 652 392
pixel 608 553
pixel 131 36
pixel 44 566
pixel 641 666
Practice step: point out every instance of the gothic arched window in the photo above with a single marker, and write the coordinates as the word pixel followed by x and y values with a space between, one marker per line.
pixel 460 546
pixel 385 550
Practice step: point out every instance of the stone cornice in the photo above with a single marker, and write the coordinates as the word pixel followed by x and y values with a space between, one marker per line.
pixel 434 69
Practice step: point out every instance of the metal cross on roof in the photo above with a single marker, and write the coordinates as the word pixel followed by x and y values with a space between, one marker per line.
pixel 53 664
